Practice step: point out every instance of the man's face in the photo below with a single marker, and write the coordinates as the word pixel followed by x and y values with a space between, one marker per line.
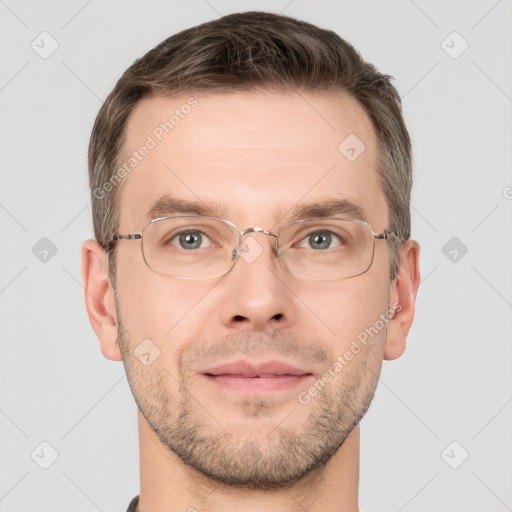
pixel 256 156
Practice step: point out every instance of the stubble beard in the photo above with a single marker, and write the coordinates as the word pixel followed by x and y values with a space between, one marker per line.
pixel 285 456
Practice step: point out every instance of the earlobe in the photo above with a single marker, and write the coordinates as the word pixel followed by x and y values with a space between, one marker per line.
pixel 99 299
pixel 403 293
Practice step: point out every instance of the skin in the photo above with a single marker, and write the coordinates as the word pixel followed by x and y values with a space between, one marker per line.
pixel 209 449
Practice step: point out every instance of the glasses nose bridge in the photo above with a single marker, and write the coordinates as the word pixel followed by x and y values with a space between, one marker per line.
pixel 257 229
pixel 236 253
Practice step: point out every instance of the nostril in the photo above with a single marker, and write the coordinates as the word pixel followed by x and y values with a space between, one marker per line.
pixel 278 316
pixel 239 318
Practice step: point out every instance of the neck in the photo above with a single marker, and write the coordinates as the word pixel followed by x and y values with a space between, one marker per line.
pixel 167 484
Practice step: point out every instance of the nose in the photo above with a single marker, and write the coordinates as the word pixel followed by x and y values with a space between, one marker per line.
pixel 256 292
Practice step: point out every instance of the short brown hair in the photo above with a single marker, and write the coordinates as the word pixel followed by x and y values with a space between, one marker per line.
pixel 253 51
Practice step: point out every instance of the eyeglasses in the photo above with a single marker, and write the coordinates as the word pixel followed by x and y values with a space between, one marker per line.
pixel 199 247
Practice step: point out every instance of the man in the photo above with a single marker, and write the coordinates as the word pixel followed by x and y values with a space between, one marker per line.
pixel 253 265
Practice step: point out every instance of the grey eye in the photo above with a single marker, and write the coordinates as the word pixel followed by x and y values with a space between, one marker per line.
pixel 323 239
pixel 189 240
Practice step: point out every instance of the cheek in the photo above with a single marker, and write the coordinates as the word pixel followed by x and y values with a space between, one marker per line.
pixel 346 309
pixel 160 308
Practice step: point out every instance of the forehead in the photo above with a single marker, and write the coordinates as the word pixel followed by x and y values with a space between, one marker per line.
pixel 250 157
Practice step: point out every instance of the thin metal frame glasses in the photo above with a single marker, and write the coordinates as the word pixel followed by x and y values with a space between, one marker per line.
pixel 353 255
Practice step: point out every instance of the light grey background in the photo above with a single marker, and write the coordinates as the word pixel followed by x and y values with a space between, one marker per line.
pixel 454 381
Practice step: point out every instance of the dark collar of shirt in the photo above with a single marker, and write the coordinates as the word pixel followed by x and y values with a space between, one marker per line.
pixel 134 505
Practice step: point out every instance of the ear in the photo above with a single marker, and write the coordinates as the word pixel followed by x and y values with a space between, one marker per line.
pixel 404 289
pixel 99 298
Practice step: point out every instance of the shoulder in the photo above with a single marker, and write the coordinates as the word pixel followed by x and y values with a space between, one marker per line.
pixel 132 507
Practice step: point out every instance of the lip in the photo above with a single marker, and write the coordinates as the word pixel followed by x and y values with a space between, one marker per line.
pixel 249 378
pixel 247 369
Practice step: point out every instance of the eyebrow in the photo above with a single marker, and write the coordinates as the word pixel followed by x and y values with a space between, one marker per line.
pixel 167 206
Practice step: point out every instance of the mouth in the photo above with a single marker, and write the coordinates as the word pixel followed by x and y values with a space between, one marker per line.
pixel 242 376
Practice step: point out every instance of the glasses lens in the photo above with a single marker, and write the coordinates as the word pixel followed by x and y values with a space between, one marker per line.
pixel 327 249
pixel 189 247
